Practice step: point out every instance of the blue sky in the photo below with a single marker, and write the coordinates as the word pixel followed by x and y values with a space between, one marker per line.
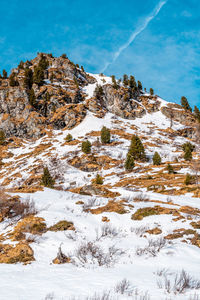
pixel 165 55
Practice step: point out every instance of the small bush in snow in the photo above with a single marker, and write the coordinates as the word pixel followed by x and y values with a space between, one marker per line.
pixel 68 138
pixel 98 179
pixel 47 179
pixel 156 159
pixel 105 135
pixel 89 253
pixel 123 287
pixel 179 283
pixel 153 247
pixel 86 147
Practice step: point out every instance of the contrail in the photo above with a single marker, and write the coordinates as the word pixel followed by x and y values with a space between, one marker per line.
pixel 135 34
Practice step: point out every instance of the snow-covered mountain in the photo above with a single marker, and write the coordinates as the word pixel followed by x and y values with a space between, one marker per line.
pixel 134 236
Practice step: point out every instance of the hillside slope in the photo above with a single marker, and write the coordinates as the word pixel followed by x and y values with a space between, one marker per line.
pixel 81 239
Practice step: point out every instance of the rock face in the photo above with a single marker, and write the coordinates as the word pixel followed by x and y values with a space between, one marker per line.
pixel 57 101
pixel 119 103
pixel 177 113
pixel 62 82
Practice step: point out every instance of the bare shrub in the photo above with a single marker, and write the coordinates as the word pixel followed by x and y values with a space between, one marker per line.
pixel 49 296
pixel 141 198
pixel 89 253
pixel 179 283
pixel 139 230
pixel 106 230
pixel 123 287
pixel 90 203
pixel 153 247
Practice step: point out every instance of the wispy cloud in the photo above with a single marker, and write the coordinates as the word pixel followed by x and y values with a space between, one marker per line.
pixel 134 34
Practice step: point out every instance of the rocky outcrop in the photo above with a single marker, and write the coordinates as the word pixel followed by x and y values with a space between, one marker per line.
pixel 62 79
pixel 119 103
pixel 178 114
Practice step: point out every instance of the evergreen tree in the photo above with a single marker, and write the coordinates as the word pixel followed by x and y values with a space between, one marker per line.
pixel 38 76
pixel 21 65
pixel 43 63
pixel 76 82
pixel 82 69
pixel 86 147
pixel 98 92
pixel 64 55
pixel 46 99
pixel 129 163
pixel 2 137
pixel 125 80
pixel 136 149
pixel 132 82
pixel 197 113
pixel 187 154
pixel 156 159
pixel 47 179
pixel 151 92
pixel 170 169
pixel 98 179
pixel 68 138
pixel 105 135
pixel 115 85
pixel 188 148
pixel 139 85
pixel 188 145
pixel 185 104
pixel 28 78
pixel 12 81
pixel 78 96
pixel 5 75
pixel 31 97
pixel 188 179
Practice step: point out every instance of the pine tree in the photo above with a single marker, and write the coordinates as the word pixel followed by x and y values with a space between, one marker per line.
pixel 105 135
pixel 197 113
pixel 46 99
pixel 188 179
pixel 132 82
pixel 31 97
pixel 21 65
pixel 98 92
pixel 156 159
pixel 170 169
pixel 86 147
pixel 98 179
pixel 43 63
pixel 125 80
pixel 12 81
pixel 115 85
pixel 188 145
pixel 78 96
pixel 185 104
pixel 5 75
pixel 139 85
pixel 64 55
pixel 187 154
pixel 68 138
pixel 47 179
pixel 2 137
pixel 136 149
pixel 129 163
pixel 188 148
pixel 151 92
pixel 38 76
pixel 28 78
